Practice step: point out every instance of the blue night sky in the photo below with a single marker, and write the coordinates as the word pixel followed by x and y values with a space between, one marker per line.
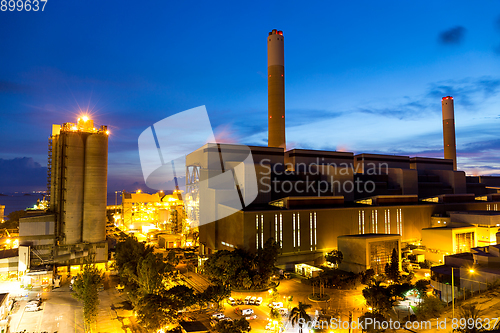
pixel 360 76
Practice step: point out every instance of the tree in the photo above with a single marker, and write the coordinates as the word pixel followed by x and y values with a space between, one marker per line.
pixel 430 307
pixel 378 297
pixel 372 328
pixel 367 277
pixel 335 258
pixel 472 313
pixel 237 326
pixel 392 268
pixel 421 286
pixel 151 271
pixel 86 290
pixel 128 254
pixel 154 311
pixel 216 294
pixel 299 312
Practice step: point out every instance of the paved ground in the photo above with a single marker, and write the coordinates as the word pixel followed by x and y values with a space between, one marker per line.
pixel 59 312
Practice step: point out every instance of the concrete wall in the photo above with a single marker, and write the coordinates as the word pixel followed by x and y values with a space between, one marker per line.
pixel 355 254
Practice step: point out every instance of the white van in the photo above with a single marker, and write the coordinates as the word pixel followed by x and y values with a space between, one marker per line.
pixel 258 301
pixel 246 312
pixel 247 300
pixel 252 300
pixel 231 301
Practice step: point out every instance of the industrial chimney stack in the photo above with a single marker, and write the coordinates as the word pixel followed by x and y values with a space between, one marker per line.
pixel 450 147
pixel 276 89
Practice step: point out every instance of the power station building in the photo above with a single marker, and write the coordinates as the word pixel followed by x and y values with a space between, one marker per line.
pixel 74 225
pixel 308 199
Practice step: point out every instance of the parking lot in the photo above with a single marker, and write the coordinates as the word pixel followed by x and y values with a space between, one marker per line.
pixel 59 311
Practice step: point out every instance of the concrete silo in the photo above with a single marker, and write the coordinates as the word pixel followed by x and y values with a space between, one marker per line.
pixel 95 186
pixel 78 155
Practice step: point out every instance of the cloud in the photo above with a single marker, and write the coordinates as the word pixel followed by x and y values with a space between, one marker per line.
pixel 22 174
pixel 452 36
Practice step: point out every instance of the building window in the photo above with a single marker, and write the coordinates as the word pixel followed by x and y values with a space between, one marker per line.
pixel 361 222
pixel 387 221
pixel 315 239
pixel 281 230
pixel 374 221
pixel 262 230
pixel 257 232
pixel 276 228
pixel 298 231
pixel 399 221
pixel 293 221
pixel 311 230
pixel 495 207
pixel 488 207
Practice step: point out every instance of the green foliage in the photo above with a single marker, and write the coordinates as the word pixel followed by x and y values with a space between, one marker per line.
pixel 241 269
pixel 148 276
pixel 392 268
pixel 334 278
pixel 215 293
pixel 421 286
pixel 237 326
pixel 274 314
pixel 376 316
pixel 298 312
pixel 469 312
pixel 128 254
pixel 400 289
pixel 425 264
pixel 430 307
pixel 151 271
pixel 335 258
pixel 406 278
pixel 16 215
pixel 380 298
pixel 367 276
pixel 85 290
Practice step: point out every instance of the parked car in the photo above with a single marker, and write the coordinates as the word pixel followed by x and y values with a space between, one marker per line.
pixel 276 305
pixel 246 312
pixel 239 301
pixel 247 300
pixel 231 301
pixel 258 301
pixel 218 316
pixel 252 300
pixel 283 312
pixel 287 275
pixel 33 305
pixel 252 317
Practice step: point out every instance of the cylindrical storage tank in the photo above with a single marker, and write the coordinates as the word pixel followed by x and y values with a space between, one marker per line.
pixel 95 187
pixel 72 176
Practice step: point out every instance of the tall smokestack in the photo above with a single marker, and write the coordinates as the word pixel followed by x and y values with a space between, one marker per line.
pixel 450 147
pixel 276 89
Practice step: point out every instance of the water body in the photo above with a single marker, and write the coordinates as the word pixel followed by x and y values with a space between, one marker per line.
pixel 18 201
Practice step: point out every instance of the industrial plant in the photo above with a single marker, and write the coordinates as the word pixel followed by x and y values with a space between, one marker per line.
pixel 311 202
pixel 375 209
